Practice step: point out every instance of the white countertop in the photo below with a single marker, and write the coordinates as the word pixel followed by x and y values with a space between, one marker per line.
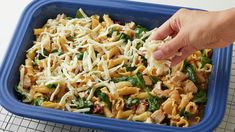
pixel 11 10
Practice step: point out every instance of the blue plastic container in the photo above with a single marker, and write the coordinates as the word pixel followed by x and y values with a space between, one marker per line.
pixel 148 15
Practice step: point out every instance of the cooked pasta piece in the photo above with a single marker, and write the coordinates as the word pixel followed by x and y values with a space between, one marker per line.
pixel 127 91
pixel 51 105
pixel 185 100
pixel 196 120
pixel 38 31
pixel 94 21
pixel 124 114
pixel 207 68
pixel 208 52
pixel 113 52
pixel 116 61
pixel 182 123
pixel 178 67
pixel 119 105
pixel 122 84
pixel 141 117
pixel 130 117
pixel 170 106
pixel 191 107
pixel 140 95
pixel 107 112
pixel 175 95
pixel 108 20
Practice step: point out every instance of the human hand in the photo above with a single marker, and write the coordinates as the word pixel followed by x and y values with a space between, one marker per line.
pixel 194 30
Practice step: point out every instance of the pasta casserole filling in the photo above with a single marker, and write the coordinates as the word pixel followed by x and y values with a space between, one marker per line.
pixel 95 65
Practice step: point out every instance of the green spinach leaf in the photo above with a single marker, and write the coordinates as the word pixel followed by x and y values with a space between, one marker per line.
pixel 200 97
pixel 80 56
pixel 124 37
pixel 137 80
pixel 154 79
pixel 205 60
pixel 132 102
pixel 52 85
pixel 140 31
pixel 119 79
pixel 104 97
pixel 184 113
pixel 38 101
pixel 188 68
pixel 153 103
pixel 79 14
pixel 83 103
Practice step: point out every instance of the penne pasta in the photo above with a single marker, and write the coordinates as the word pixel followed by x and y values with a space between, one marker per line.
pixel 51 105
pixel 141 117
pixel 107 112
pixel 38 31
pixel 124 114
pixel 127 91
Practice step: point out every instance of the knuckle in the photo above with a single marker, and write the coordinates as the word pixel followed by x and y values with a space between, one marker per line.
pixel 182 11
pixel 174 22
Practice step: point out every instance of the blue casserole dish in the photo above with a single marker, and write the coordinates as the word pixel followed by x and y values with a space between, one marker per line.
pixel 148 15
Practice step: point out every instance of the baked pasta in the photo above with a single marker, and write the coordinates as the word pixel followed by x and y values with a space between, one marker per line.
pixel 96 65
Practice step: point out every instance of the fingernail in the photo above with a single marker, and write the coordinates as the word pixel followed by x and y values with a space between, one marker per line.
pixel 158 55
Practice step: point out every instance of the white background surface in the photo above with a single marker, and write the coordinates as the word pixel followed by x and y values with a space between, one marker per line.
pixel 10 11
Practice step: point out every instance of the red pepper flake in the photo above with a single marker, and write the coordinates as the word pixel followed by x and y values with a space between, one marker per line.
pixel 98 109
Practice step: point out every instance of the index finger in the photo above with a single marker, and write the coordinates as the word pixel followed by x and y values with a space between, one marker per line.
pixel 162 32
